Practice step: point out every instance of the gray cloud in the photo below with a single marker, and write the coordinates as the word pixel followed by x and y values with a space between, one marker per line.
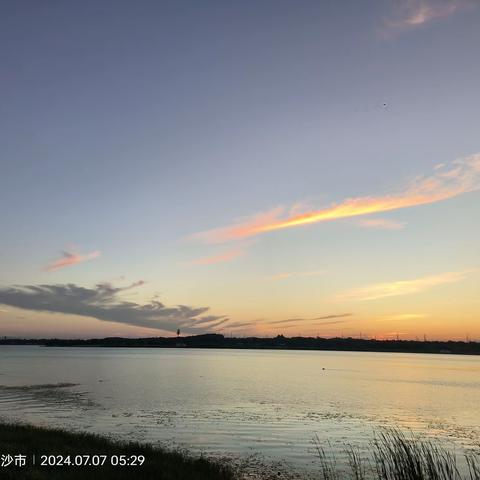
pixel 208 319
pixel 104 303
pixel 288 320
pixel 234 325
pixel 325 317
pixel 333 322
pixel 328 317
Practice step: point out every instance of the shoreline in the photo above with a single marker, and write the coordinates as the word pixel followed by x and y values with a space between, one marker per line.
pixel 57 454
pixel 278 343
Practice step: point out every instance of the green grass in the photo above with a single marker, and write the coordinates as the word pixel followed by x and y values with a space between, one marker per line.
pixel 396 456
pixel 159 464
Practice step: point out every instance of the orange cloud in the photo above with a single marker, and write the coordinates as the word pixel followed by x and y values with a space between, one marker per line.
pixel 446 182
pixel 70 258
pixel 402 287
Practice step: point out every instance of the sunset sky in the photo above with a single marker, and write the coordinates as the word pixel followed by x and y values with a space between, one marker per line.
pixel 246 168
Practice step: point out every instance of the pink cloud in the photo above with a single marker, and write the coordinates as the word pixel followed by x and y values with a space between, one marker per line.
pixel 415 13
pixel 220 258
pixel 70 258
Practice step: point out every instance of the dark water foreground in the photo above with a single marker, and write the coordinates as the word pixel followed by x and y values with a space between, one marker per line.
pixel 58 454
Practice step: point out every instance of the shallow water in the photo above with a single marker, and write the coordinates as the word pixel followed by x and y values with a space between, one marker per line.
pixel 258 405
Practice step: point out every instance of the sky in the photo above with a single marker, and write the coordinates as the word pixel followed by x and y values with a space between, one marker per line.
pixel 245 168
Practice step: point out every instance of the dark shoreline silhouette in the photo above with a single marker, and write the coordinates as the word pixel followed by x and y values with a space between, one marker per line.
pixel 213 340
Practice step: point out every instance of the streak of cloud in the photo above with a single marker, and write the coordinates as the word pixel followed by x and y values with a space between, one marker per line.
pixel 332 322
pixel 225 256
pixel 414 13
pixel 236 325
pixel 104 303
pixel 70 258
pixel 327 317
pixel 208 320
pixel 324 317
pixel 311 325
pixel 213 325
pixel 402 287
pixel 288 320
pixel 460 176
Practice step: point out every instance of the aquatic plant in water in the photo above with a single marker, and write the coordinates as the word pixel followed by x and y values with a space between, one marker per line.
pixel 397 456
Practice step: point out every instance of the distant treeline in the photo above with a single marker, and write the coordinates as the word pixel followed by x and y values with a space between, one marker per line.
pixel 280 343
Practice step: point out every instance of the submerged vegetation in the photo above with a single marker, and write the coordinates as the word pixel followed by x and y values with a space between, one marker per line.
pixel 396 456
pixel 159 464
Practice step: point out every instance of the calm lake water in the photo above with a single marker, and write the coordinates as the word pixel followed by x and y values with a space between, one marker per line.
pixel 250 405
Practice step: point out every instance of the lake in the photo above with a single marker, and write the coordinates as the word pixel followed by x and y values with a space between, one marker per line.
pixel 253 406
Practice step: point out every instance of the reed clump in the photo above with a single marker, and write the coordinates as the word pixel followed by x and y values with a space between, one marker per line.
pixel 397 456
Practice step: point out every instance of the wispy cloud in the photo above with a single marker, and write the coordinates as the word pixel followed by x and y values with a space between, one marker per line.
pixel 104 302
pixel 285 275
pixel 330 322
pixel 314 320
pixel 288 320
pixel 402 287
pixel 409 14
pixel 327 317
pixel 460 176
pixel 380 223
pixel 225 256
pixel 237 325
pixel 70 258
pixel 308 323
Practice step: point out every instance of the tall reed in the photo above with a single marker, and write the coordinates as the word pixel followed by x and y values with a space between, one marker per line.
pixel 396 456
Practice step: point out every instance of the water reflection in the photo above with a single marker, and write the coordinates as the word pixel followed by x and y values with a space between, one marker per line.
pixel 243 403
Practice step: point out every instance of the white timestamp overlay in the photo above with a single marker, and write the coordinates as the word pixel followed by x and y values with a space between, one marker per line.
pixel 51 460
